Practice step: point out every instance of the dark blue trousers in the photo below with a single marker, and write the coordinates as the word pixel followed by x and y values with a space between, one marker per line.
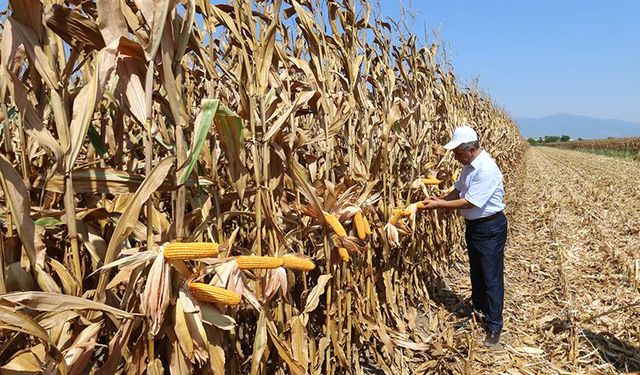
pixel 485 246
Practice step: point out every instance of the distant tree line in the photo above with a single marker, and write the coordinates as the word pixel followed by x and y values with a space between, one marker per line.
pixel 550 139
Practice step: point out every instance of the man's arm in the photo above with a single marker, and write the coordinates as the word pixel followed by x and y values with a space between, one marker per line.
pixel 454 204
pixel 451 201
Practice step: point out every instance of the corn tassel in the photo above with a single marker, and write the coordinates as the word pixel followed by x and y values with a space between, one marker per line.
pixel 344 254
pixel 252 262
pixel 213 294
pixel 358 221
pixel 297 263
pixel 335 224
pixel 191 250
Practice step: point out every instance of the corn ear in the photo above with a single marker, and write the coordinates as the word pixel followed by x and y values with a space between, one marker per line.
pixel 213 294
pixel 297 263
pixel 335 224
pixel 367 227
pixel 431 181
pixel 395 218
pixel 344 254
pixel 400 211
pixel 358 221
pixel 252 262
pixel 191 250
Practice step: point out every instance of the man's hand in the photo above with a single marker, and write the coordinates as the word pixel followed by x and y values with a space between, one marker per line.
pixel 433 202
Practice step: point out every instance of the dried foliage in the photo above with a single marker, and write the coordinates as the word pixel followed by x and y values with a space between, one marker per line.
pixel 130 124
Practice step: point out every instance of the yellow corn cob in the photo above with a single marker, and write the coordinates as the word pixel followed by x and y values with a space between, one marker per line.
pixel 297 263
pixel 190 250
pixel 367 228
pixel 252 262
pixel 335 224
pixel 213 294
pixel 358 221
pixel 400 212
pixel 394 219
pixel 431 181
pixel 420 204
pixel 344 254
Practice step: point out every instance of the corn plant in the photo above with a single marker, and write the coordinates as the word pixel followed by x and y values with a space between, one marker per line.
pixel 148 146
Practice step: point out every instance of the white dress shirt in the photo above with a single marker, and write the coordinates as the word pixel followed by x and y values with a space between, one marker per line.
pixel 480 183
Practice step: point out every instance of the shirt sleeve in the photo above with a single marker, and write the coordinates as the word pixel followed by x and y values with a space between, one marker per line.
pixel 456 185
pixel 483 184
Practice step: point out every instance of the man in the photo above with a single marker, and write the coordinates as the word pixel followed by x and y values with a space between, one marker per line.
pixel 478 194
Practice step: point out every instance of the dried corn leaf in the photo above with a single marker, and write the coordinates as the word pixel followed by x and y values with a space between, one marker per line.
pixel 17 198
pixel 129 217
pixel 314 296
pixel 43 301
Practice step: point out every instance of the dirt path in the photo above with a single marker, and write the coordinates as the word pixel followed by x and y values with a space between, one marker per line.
pixel 573 253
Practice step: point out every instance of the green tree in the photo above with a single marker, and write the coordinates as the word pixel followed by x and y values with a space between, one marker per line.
pixel 565 138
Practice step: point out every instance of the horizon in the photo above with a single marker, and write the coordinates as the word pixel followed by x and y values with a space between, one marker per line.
pixel 576 126
pixel 572 115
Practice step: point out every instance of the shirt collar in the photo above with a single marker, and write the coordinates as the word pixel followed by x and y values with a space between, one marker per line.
pixel 478 160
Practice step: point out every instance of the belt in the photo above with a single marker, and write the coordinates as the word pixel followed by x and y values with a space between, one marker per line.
pixel 484 219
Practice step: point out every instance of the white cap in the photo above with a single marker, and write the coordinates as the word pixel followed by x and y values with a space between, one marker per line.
pixel 463 134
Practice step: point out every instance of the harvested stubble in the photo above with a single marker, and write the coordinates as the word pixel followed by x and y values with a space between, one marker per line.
pixel 571 278
pixel 127 107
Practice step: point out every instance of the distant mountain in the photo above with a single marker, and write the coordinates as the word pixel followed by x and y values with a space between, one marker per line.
pixel 576 127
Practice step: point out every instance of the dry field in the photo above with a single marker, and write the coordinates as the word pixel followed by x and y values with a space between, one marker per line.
pixel 572 261
pixel 184 188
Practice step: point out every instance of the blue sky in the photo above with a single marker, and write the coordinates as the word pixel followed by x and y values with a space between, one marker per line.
pixel 538 58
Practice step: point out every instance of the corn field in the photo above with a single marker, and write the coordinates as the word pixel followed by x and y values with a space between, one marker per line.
pixel 629 147
pixel 175 176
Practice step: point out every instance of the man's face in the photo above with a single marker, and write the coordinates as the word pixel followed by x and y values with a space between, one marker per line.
pixel 464 156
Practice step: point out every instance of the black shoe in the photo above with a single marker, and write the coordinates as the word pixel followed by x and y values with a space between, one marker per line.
pixel 492 339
